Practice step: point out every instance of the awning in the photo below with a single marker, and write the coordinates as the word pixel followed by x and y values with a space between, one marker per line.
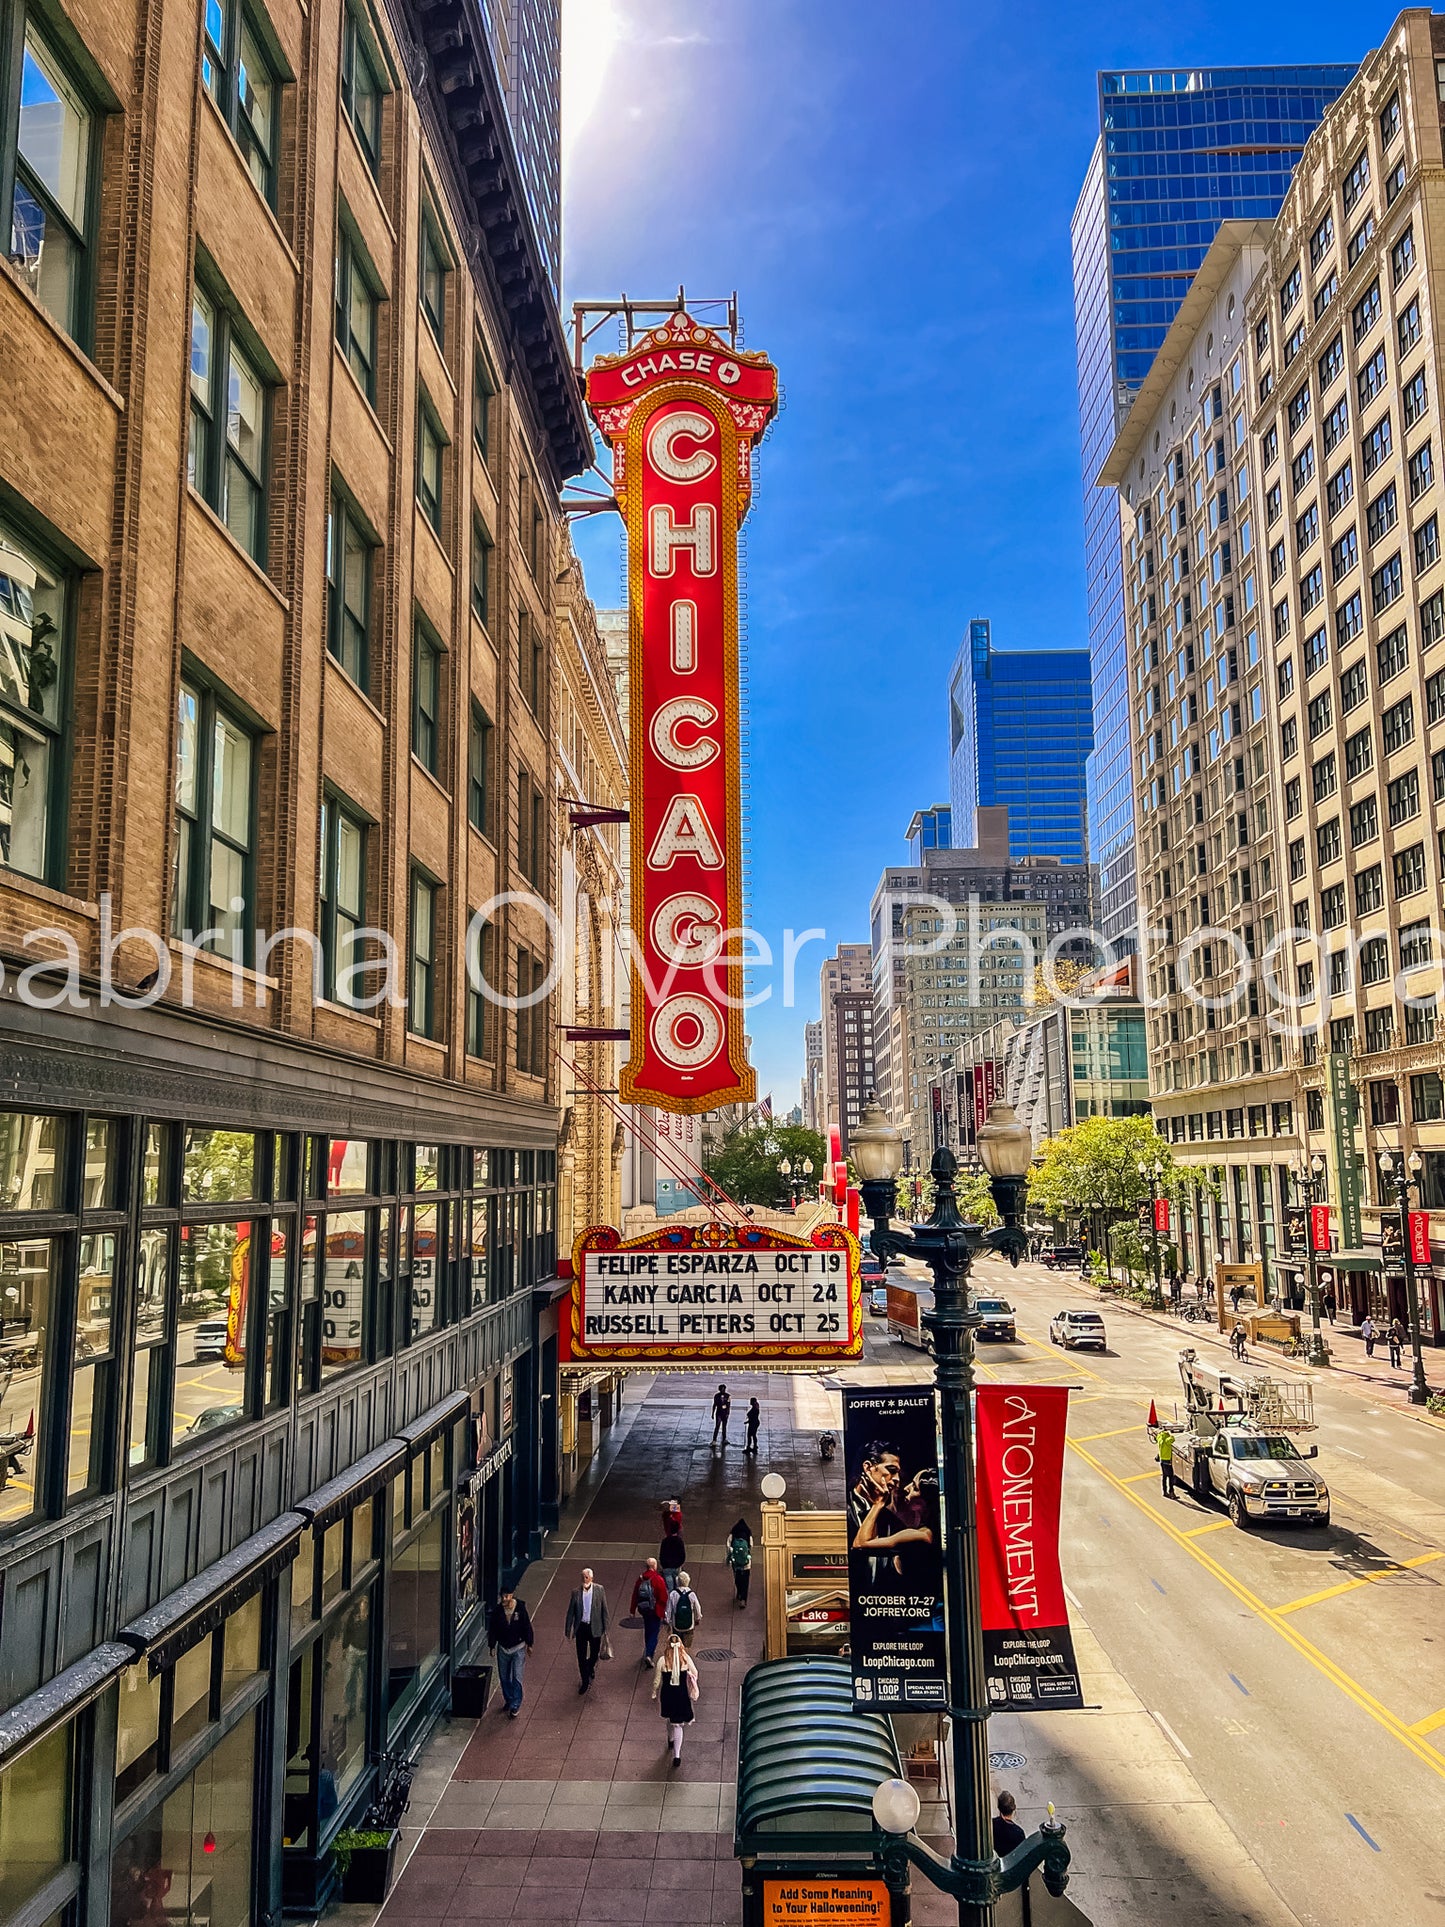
pixel 61 1698
pixel 332 1501
pixel 1349 1260
pixel 808 1762
pixel 184 1617
pixel 422 1430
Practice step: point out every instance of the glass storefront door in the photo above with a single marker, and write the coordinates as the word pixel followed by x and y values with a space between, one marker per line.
pixel 188 1863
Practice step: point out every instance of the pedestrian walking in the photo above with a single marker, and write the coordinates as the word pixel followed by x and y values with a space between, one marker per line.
pixel 1007 1833
pixel 1236 1342
pixel 671 1517
pixel 1329 1302
pixel 671 1558
pixel 722 1405
pixel 1396 1337
pixel 740 1559
pixel 649 1602
pixel 674 1682
pixel 751 1426
pixel 684 1609
pixel 1236 1292
pixel 587 1625
pixel 1369 1334
pixel 1164 1444
pixel 509 1632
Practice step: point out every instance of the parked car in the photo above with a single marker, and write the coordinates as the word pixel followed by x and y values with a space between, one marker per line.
pixel 1071 1329
pixel 878 1301
pixel 998 1318
pixel 1061 1257
pixel 213 1418
pixel 209 1339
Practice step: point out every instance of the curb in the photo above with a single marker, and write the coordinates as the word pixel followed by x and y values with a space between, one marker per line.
pixel 1207 1334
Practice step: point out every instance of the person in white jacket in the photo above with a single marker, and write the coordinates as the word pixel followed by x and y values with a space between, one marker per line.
pixel 684 1609
pixel 675 1683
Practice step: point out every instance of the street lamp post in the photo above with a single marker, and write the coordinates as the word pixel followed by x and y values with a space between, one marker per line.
pixel 1309 1183
pixel 1153 1170
pixel 785 1167
pixel 948 1247
pixel 1402 1179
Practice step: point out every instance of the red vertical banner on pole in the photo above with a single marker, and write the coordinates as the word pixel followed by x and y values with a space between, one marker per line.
pixel 1319 1227
pixel 1419 1237
pixel 853 1210
pixel 1161 1214
pixel 1028 1649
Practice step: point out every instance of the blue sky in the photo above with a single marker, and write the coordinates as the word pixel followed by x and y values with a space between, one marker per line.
pixel 889 190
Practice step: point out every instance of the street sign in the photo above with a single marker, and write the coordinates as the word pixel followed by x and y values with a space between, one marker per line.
pixel 718 1294
pixel 682 410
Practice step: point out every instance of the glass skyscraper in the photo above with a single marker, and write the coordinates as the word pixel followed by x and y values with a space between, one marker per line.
pixel 525 37
pixel 1020 727
pixel 1178 153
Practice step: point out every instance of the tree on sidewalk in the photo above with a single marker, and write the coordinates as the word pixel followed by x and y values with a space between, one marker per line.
pixel 1098 1170
pixel 746 1162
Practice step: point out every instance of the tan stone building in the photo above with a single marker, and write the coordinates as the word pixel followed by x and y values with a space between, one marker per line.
pixel 845 992
pixel 286 411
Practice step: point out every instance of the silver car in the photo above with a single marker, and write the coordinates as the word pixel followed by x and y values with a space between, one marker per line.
pixel 1071 1329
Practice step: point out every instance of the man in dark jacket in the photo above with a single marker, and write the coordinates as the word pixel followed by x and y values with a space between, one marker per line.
pixel 509 1630
pixel 1007 1833
pixel 649 1602
pixel 587 1624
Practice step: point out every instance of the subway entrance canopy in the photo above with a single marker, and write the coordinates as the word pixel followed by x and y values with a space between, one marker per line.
pixel 808 1763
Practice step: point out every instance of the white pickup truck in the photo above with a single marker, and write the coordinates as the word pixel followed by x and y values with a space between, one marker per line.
pixel 1237 1445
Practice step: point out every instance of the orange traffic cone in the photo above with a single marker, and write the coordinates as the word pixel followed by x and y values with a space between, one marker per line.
pixel 1153 1414
pixel 30 1428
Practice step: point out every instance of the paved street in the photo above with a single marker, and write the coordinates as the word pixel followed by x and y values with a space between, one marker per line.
pixel 1299 1671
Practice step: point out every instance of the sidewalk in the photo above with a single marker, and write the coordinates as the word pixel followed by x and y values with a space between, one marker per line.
pixel 574 1812
pixel 1372 1378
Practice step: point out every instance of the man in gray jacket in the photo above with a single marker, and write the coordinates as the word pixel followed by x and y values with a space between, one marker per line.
pixel 587 1624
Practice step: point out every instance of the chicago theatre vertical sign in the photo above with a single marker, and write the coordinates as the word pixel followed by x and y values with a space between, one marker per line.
pixel 682 411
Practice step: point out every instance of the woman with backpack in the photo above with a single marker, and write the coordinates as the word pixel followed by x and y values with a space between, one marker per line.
pixel 684 1610
pixel 675 1684
pixel 740 1558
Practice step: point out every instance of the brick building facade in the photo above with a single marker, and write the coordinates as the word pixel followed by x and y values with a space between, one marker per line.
pixel 286 414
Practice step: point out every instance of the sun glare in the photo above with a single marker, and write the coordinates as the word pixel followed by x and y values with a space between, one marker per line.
pixel 590 31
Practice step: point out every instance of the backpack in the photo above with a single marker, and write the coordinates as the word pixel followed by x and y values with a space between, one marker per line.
pixel 646 1594
pixel 740 1553
pixel 682 1618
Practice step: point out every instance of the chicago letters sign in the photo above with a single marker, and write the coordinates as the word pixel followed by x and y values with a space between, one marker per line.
pixel 681 411
pixel 689 1294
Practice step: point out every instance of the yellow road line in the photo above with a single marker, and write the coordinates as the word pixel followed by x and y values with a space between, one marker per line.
pixel 1429 1725
pixel 1138 1478
pixel 1092 1438
pixel 1215 1525
pixel 1269 1616
pixel 1053 1351
pixel 1353 1585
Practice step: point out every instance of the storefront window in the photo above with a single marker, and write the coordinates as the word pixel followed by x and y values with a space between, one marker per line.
pixel 34 1819
pixel 242 1654
pixel 300 1750
pixel 343 1292
pixel 29 1160
pixel 155 1186
pixel 89 1399
pixel 427 1160
pixel 191 1694
pixel 26 1290
pixel 219 1167
pixel 345 1648
pixel 189 1861
pixel 477 1251
pixel 347 1168
pixel 333 1559
pixel 278 1322
pixel 398 1507
pixel 415 1634
pixel 137 1729
pixel 148 1380
pixel 363 1536
pixel 424 1269
pixel 99 1142
pixel 209 1355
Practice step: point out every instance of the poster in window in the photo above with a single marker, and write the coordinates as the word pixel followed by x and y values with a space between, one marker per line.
pixel 895 1547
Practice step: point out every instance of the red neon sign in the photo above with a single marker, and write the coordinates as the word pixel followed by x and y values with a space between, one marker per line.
pixel 682 411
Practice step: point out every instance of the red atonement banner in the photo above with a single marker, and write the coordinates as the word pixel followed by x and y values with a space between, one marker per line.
pixel 682 410
pixel 1319 1227
pixel 1161 1214
pixel 1028 1649
pixel 1419 1237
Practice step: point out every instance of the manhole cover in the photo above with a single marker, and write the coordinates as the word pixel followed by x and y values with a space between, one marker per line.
pixel 1007 1762
pixel 632 1620
pixel 714 1653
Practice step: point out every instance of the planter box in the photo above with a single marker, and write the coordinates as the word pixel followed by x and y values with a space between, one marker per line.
pixel 368 1872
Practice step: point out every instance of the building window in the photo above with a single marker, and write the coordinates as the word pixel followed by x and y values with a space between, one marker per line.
pixel 1407 328
pixel 1340 489
pixel 34 706
pixel 426 697
pixel 1417 401
pixel 226 455
pixel 421 1011
pixel 1324 779
pixel 1402 256
pixel 1387 585
pixel 1422 471
pixel 1410 871
pixel 1359 756
pixel 53 157
pixel 1360 240
pixel 484 389
pixel 213 893
pixel 1390 120
pixel 357 301
pixel 1316 652
pixel 481 1009
pixel 361 87
pixel 481 569
pixel 1397 725
pixel 348 590
pixel 1404 798
pixel 1337 424
pixel 479 771
pixel 1364 822
pixel 531 831
pixel 239 78
pixel 1383 513
pixel 1371 378
pixel 1344 555
pixel 343 901
pixel 1350 620
pixel 1369 890
pixel 1427 1097
pixel 1427 545
pixel 1366 311
pixel 1320 716
pixel 1327 841
pixel 429 445
pixel 1288 738
pixel 1432 619
pixel 531 663
pixel 531 1014
pixel 433 270
pixel 1356 181
pixel 1378 444
pixel 1392 653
